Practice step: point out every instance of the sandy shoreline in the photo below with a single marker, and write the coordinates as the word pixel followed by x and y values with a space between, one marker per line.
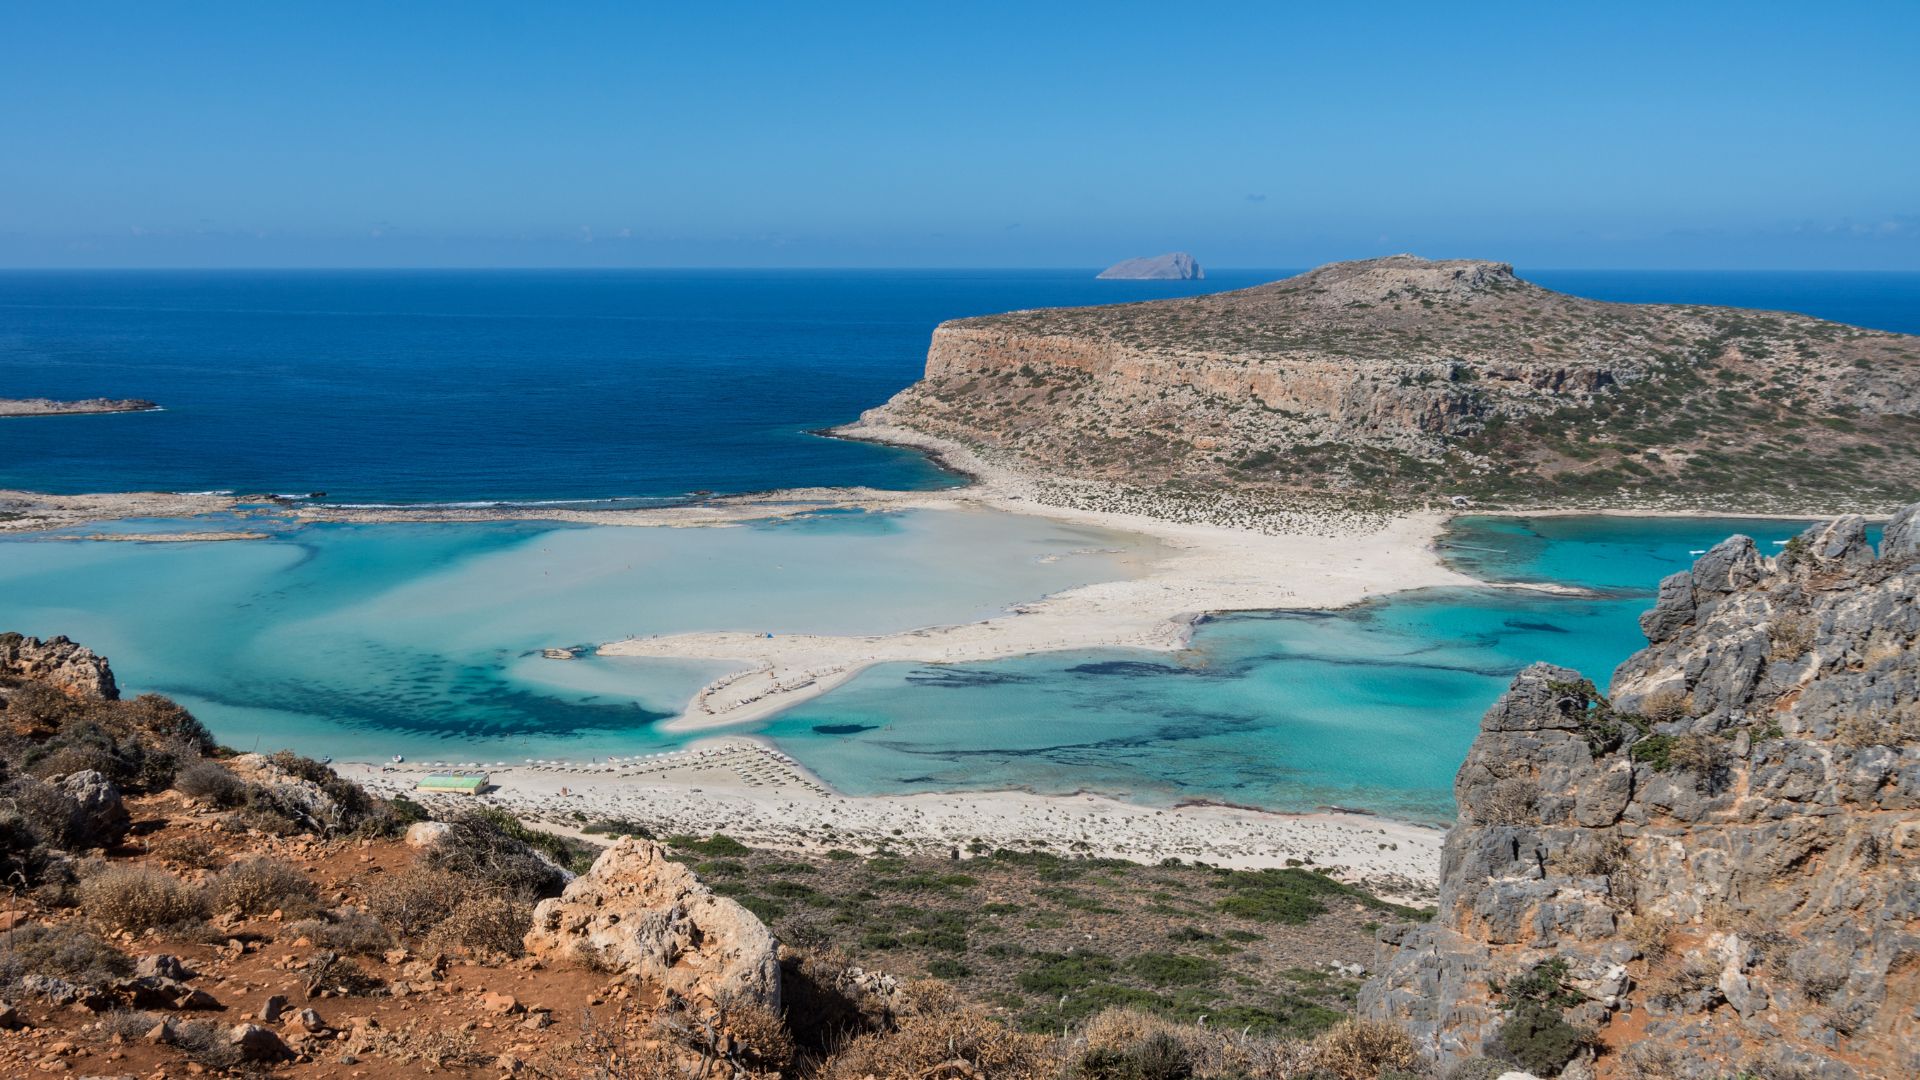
pixel 763 798
pixel 1235 559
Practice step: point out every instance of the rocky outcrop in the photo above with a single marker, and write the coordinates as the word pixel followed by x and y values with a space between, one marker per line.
pixel 10 407
pixel 1417 378
pixel 99 812
pixel 1717 866
pixel 1177 266
pixel 299 798
pixel 642 914
pixel 59 663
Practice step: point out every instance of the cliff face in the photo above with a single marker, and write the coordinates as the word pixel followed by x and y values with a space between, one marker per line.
pixel 1412 377
pixel 1718 867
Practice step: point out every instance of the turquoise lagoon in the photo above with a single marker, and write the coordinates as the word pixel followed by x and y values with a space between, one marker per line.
pixel 361 641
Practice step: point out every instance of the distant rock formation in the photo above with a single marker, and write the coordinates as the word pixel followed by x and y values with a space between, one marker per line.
pixel 1716 869
pixel 50 407
pixel 1176 266
pixel 1413 379
pixel 642 914
pixel 58 662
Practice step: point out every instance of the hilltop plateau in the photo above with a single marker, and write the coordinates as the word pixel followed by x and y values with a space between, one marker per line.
pixel 1402 380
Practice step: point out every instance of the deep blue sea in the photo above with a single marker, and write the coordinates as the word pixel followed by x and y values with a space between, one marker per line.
pixel 532 385
pixel 423 639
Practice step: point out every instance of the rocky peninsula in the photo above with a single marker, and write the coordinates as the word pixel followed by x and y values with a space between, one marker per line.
pixel 1403 380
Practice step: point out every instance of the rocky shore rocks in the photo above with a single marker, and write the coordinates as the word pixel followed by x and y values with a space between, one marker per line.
pixel 1716 867
pixel 641 914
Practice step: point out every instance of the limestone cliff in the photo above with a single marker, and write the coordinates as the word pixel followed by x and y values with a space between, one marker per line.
pixel 1412 378
pixel 1717 867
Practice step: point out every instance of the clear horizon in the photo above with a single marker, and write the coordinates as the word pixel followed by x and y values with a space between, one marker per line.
pixel 441 136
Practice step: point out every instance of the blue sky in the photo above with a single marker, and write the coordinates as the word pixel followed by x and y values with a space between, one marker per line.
pixel 1702 135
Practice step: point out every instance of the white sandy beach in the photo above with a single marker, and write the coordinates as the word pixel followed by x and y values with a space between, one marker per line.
pixel 1325 562
pixel 757 795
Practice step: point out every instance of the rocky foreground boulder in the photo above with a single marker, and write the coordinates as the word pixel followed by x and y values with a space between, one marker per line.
pixel 641 914
pixel 1716 867
pixel 58 662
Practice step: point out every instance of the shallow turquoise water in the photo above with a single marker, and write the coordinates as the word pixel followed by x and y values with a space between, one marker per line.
pixel 1370 707
pixel 369 640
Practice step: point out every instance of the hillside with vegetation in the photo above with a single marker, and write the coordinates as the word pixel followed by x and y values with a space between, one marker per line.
pixel 1405 380
pixel 175 908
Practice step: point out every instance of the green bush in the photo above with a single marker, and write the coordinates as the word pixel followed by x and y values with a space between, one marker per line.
pixel 495 855
pixel 1170 969
pixel 1539 1039
pixel 719 845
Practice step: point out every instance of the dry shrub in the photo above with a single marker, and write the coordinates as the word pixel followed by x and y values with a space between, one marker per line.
pixel 1592 857
pixel 1122 1028
pixel 430 1044
pixel 925 1042
pixel 747 1036
pixel 206 1043
pixel 823 1002
pixel 138 898
pixel 194 852
pixel 1857 732
pixel 128 1024
pixel 355 933
pixel 65 952
pixel 1792 636
pixel 1648 933
pixel 485 925
pixel 261 886
pixel 414 901
pixel 1510 802
pixel 1666 706
pixel 1130 1042
pixel 1359 1049
pixel 210 782
pixel 1648 1060
pixel 1693 753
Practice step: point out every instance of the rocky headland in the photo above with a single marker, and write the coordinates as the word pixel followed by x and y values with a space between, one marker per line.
pixel 1176 266
pixel 1403 380
pixel 50 407
pixel 1714 869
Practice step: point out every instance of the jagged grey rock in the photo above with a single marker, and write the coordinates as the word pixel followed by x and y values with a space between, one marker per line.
pixel 1745 804
pixel 100 813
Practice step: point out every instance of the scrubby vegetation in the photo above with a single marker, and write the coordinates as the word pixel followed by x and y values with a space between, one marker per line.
pixel 1044 942
pixel 176 878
